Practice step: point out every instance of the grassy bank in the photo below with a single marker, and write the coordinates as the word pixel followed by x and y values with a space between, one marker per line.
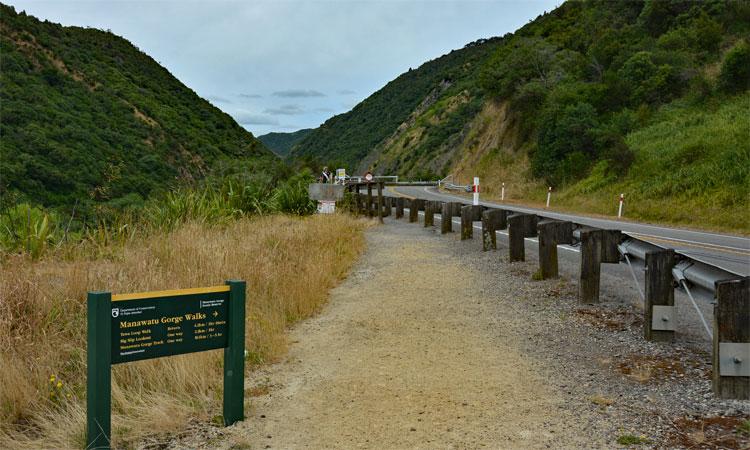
pixel 691 168
pixel 289 265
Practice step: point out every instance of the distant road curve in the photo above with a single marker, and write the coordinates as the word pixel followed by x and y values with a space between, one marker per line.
pixel 729 252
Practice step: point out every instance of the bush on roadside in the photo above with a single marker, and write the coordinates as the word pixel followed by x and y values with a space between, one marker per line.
pixel 291 196
pixel 735 69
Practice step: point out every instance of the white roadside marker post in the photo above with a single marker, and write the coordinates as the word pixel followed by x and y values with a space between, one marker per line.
pixel 502 193
pixel 549 194
pixel 619 210
pixel 476 191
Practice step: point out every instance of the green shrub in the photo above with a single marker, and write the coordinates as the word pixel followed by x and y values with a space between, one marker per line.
pixel 29 229
pixel 204 205
pixel 565 144
pixel 648 82
pixel 735 69
pixel 291 196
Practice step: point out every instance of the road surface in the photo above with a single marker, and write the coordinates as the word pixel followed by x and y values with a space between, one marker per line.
pixel 731 253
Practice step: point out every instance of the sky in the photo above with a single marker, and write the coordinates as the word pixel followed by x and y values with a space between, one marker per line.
pixel 285 65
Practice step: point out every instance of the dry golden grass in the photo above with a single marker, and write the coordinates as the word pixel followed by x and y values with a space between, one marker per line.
pixel 289 265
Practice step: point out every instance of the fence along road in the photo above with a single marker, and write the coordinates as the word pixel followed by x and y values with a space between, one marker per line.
pixel 601 242
pixel 731 253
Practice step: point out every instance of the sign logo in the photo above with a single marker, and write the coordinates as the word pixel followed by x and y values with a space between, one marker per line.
pixel 115 312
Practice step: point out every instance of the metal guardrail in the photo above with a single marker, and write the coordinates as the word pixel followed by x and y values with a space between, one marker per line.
pixel 664 271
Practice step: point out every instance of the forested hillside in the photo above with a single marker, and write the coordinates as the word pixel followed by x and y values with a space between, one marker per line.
pixel 281 143
pixel 88 119
pixel 568 101
pixel 351 137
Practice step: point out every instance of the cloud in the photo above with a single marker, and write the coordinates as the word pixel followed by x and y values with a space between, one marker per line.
pixel 246 118
pixel 217 99
pixel 324 110
pixel 250 95
pixel 285 110
pixel 298 93
pixel 345 92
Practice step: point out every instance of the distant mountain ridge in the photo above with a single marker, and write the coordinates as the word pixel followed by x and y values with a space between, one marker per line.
pixel 281 143
pixel 348 139
pixel 88 118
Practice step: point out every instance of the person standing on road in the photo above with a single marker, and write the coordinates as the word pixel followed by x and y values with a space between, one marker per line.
pixel 326 177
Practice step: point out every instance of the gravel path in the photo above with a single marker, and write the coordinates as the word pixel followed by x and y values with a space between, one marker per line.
pixel 431 343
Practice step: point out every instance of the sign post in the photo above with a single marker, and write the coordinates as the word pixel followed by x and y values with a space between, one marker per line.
pixel 475 189
pixel 341 176
pixel 132 327
pixel 549 194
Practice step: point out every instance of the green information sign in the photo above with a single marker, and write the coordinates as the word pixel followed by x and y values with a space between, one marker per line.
pixel 164 326
pixel 132 327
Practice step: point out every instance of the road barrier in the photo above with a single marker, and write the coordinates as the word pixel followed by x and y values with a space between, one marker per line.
pixel 665 270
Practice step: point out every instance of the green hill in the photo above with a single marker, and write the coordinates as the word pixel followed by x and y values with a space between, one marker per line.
pixel 569 100
pixel 281 143
pixel 89 119
pixel 351 137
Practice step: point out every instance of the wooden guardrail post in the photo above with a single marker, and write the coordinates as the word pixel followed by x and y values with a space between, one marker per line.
pixel 456 209
pixel 520 226
pixel 446 218
pixel 597 247
pixel 492 220
pixel 469 214
pixel 551 234
pixel 380 202
pixel 370 211
pixel 591 258
pixel 414 206
pixel 429 213
pixel 399 207
pixel 731 345
pixel 659 313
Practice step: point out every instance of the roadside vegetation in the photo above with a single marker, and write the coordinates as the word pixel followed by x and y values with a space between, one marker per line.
pixel 225 228
pixel 690 167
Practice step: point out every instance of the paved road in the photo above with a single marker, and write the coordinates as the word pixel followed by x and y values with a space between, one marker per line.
pixel 729 252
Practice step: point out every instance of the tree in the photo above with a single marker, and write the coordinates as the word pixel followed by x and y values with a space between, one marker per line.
pixel 566 143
